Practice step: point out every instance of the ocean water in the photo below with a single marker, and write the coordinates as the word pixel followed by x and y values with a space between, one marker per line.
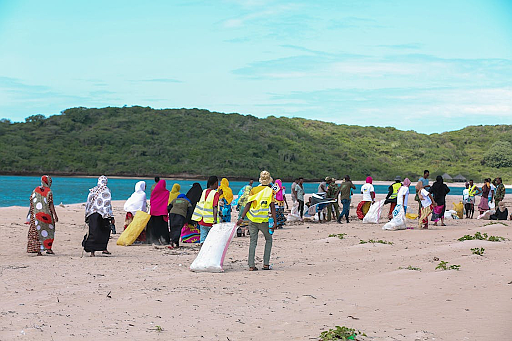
pixel 16 190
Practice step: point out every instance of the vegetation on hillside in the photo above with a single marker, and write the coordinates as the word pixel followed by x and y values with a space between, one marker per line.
pixel 143 141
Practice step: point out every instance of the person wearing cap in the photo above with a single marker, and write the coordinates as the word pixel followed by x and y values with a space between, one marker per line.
pixel 322 188
pixel 501 212
pixel 392 195
pixel 332 193
pixel 260 203
pixel 345 196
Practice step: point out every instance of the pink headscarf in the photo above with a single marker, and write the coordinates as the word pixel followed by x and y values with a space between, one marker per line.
pixel 407 182
pixel 279 193
pixel 159 199
pixel 369 180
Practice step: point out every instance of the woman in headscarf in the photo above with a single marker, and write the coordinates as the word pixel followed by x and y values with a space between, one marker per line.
pixel 226 197
pixel 157 230
pixel 368 198
pixel 175 191
pixel 439 191
pixel 136 202
pixel 484 201
pixel 42 218
pixel 194 195
pixel 280 201
pixel 99 216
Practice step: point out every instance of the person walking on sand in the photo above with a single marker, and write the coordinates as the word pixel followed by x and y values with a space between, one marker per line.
pixel 345 196
pixel 42 217
pixel 473 192
pixel 257 209
pixel 392 195
pixel 280 202
pixel 439 191
pixel 500 192
pixel 332 193
pixel 368 198
pixel 99 216
pixel 299 190
pixel 294 191
pixel 427 204
pixel 465 200
pixel 157 230
pixel 484 200
pixel 206 211
pixel 402 197
pixel 422 183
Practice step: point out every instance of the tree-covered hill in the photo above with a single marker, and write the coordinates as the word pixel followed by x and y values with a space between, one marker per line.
pixel 143 141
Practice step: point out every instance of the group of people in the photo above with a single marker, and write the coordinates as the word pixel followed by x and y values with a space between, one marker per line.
pixel 173 214
pixel 492 194
pixel 176 216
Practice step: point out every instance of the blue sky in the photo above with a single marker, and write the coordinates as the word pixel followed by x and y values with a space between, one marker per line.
pixel 426 66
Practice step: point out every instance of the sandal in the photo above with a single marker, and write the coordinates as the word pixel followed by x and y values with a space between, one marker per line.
pixel 50 252
pixel 253 269
pixel 106 252
pixel 267 267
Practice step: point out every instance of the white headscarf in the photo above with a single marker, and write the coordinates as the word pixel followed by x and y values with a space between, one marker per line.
pixel 99 199
pixel 137 201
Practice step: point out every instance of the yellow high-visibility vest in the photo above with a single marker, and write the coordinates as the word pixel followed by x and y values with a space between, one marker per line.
pixel 472 191
pixel 260 207
pixel 396 187
pixel 204 208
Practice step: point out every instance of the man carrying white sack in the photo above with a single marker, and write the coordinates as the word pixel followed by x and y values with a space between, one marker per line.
pixel 260 202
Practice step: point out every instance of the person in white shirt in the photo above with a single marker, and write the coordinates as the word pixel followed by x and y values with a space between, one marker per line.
pixel 322 188
pixel 465 200
pixel 426 207
pixel 368 198
pixel 403 194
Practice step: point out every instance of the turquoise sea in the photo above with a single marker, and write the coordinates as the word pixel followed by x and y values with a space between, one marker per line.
pixel 71 190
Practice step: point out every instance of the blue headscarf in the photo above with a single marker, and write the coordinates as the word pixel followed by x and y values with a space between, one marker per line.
pixel 183 196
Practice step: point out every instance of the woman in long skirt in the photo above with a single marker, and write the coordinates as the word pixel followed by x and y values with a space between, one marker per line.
pixel 157 230
pixel 42 217
pixel 99 216
pixel 280 202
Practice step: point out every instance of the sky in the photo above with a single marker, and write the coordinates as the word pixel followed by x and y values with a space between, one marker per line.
pixel 428 66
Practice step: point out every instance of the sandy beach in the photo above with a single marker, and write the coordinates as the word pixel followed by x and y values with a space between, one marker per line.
pixel 317 282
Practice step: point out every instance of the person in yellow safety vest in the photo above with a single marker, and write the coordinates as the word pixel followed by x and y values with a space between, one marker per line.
pixel 392 195
pixel 473 191
pixel 259 205
pixel 206 209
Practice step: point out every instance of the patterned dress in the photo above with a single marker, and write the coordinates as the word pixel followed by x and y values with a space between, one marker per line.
pixel 42 225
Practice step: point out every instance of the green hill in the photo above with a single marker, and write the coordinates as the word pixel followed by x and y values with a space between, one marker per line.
pixel 142 141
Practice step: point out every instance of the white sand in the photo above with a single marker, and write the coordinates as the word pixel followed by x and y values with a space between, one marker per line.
pixel 317 282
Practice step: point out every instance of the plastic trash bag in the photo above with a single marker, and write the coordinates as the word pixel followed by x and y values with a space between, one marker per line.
pixel 398 221
pixel 212 253
pixel 294 215
pixel 459 208
pixel 411 216
pixel 373 215
pixel 132 232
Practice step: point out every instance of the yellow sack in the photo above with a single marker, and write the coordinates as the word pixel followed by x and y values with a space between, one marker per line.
pixel 459 208
pixel 411 216
pixel 132 232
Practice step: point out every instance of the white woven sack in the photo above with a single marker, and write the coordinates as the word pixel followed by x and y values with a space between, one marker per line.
pixel 213 251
